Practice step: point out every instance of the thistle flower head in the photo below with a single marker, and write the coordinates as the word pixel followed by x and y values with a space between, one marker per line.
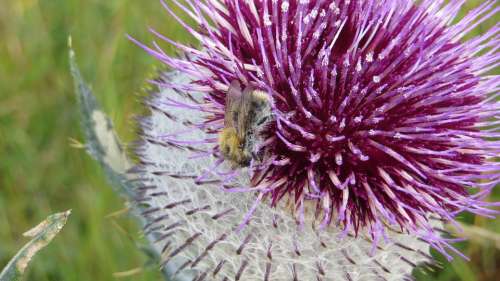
pixel 383 121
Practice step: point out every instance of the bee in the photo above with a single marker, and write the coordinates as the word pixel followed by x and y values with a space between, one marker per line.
pixel 245 116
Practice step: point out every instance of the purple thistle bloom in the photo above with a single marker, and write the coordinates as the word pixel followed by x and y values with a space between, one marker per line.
pixel 383 118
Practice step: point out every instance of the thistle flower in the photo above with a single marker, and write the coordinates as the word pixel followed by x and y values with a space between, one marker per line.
pixel 383 124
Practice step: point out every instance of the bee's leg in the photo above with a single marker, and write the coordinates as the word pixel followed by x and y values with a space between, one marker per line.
pixel 261 121
pixel 255 155
pixel 257 152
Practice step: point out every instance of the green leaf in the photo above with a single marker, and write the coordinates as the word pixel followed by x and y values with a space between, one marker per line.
pixel 102 142
pixel 41 236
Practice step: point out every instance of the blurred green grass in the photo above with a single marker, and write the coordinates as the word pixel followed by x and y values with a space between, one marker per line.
pixel 41 174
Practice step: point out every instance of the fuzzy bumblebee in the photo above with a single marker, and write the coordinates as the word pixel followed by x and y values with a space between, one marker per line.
pixel 245 115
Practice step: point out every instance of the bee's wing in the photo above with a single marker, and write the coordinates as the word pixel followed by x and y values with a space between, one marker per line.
pixel 244 117
pixel 233 102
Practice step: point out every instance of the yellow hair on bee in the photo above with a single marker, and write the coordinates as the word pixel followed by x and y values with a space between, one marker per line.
pixel 260 95
pixel 230 145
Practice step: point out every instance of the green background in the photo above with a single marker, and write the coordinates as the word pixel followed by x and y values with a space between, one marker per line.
pixel 40 173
